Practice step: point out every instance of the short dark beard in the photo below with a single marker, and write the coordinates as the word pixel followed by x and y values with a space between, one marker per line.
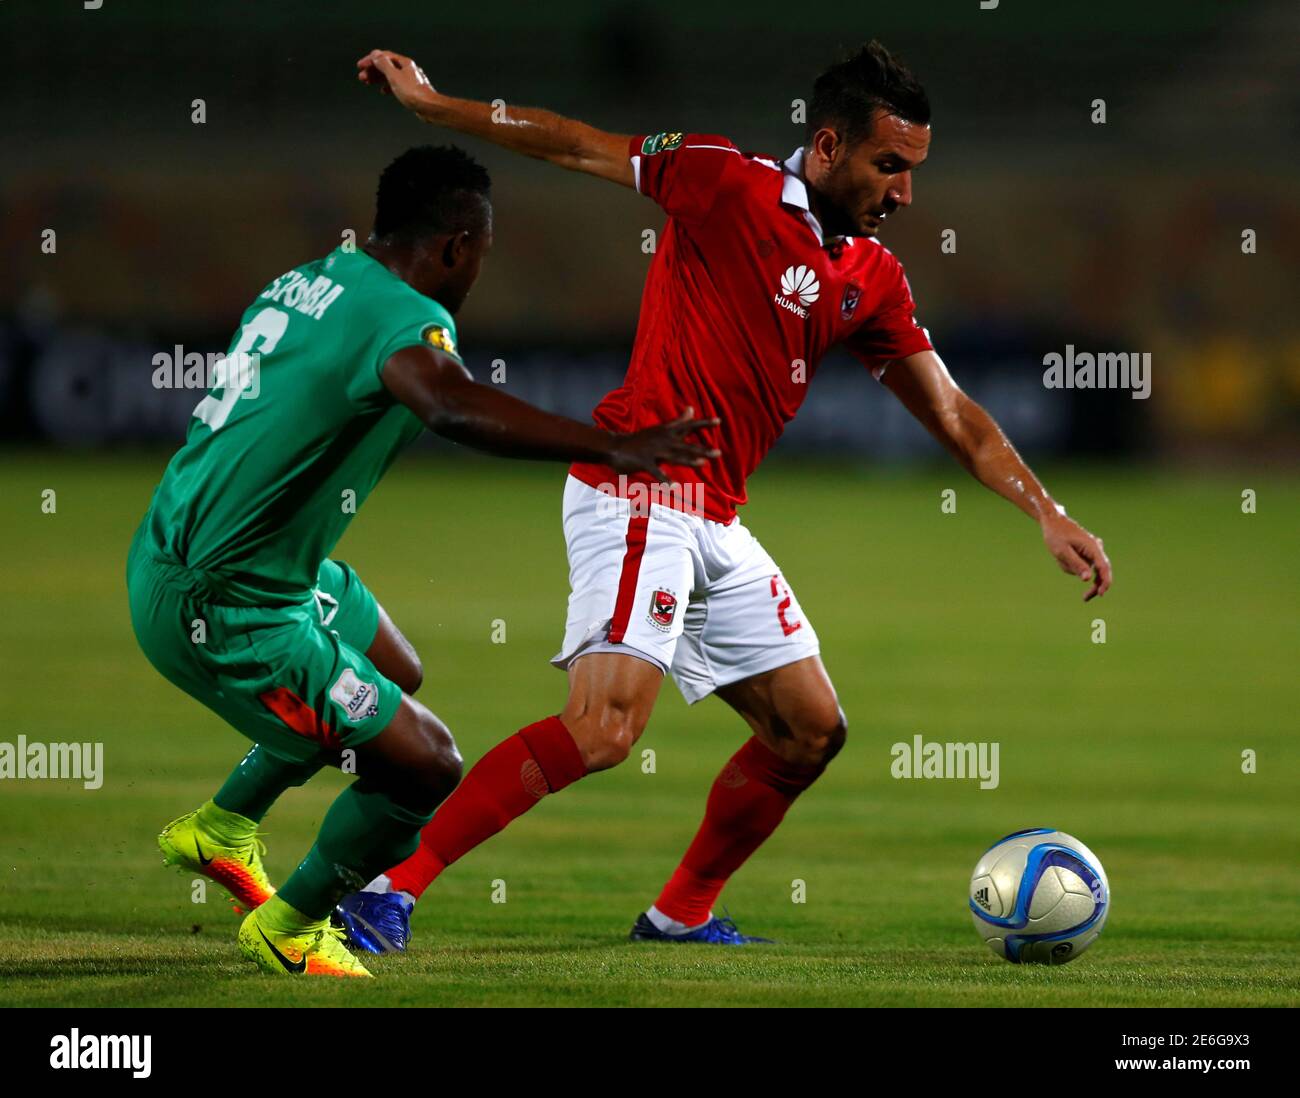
pixel 830 215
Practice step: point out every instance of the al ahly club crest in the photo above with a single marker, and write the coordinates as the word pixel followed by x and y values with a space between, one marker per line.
pixel 663 606
pixel 849 302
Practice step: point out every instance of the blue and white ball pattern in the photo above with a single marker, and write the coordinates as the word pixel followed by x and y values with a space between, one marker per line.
pixel 1039 897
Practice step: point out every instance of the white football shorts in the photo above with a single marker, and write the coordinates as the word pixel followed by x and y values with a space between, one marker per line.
pixel 699 599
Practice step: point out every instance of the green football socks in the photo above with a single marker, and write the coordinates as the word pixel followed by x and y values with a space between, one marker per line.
pixel 258 780
pixel 363 834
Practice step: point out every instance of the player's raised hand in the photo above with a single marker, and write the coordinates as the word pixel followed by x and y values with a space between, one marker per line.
pixel 1078 553
pixel 532 132
pixel 396 75
pixel 641 451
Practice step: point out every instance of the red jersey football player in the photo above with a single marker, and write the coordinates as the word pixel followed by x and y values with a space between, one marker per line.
pixel 762 267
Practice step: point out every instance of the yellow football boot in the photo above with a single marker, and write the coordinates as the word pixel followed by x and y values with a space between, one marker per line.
pixel 283 941
pixel 237 868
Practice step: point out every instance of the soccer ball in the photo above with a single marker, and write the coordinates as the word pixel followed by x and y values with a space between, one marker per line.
pixel 1039 897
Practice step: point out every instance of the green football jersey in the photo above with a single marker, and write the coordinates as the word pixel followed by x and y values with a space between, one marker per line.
pixel 296 432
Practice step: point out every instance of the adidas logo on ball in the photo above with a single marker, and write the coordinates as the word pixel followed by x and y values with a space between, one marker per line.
pixel 1039 896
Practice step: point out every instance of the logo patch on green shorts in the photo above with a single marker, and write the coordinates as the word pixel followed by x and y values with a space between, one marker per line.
pixel 357 699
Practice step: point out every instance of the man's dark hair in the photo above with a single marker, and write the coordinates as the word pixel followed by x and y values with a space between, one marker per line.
pixel 429 191
pixel 847 95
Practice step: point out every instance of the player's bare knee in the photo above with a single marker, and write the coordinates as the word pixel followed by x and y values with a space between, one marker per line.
pixel 614 748
pixel 438 765
pixel 449 764
pixel 822 736
pixel 836 736
pixel 605 736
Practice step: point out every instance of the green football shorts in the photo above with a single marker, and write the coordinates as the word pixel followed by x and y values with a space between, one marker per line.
pixel 295 679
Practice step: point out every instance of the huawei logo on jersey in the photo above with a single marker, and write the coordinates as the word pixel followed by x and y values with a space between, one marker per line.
pixel 799 289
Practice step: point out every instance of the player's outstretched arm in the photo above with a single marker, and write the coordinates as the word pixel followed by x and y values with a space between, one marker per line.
pixel 927 390
pixel 536 133
pixel 438 389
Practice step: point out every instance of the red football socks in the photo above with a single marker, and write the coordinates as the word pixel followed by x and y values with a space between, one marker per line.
pixel 504 784
pixel 748 799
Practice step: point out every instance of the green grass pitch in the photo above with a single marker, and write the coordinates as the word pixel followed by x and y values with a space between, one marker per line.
pixel 954 626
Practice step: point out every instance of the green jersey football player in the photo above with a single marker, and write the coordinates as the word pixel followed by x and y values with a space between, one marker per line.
pixel 336 366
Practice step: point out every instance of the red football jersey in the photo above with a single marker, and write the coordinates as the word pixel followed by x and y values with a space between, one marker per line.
pixel 742 300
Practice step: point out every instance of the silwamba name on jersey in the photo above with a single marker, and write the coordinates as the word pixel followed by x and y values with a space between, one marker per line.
pixel 309 298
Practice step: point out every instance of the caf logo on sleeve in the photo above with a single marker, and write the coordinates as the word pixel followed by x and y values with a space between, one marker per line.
pixel 435 335
pixel 661 142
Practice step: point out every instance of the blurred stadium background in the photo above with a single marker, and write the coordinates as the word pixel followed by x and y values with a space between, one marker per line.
pixel 1125 236
pixel 1118 236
